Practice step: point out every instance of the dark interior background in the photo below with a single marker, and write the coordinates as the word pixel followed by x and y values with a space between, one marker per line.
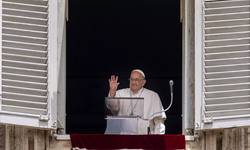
pixel 113 37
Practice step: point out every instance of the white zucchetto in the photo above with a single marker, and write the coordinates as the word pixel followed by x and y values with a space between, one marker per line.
pixel 141 72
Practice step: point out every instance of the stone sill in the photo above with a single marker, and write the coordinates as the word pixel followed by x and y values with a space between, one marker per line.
pixel 66 137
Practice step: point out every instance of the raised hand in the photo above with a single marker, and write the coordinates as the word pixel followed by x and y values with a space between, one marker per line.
pixel 113 84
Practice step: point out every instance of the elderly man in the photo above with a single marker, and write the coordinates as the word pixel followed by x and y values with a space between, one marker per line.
pixel 152 102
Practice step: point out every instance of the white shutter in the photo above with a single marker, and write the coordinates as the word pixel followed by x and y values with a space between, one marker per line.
pixel 224 98
pixel 29 63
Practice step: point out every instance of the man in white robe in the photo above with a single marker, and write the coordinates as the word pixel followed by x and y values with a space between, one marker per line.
pixel 152 102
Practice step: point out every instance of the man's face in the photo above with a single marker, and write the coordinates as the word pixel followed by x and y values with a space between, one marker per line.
pixel 136 81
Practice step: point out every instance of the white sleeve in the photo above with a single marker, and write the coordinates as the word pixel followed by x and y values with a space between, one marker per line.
pixel 159 126
pixel 113 105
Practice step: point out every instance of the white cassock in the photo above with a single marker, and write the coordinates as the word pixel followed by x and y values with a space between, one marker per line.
pixel 152 104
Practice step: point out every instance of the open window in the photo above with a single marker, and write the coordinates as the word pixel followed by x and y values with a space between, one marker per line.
pixel 107 38
pixel 28 63
pixel 222 62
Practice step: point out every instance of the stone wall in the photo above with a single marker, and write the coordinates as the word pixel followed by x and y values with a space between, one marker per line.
pixel 22 138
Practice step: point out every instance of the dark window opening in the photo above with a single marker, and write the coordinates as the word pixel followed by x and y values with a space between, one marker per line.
pixel 114 37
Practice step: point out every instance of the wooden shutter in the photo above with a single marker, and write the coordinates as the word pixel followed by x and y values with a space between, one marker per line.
pixel 224 98
pixel 28 63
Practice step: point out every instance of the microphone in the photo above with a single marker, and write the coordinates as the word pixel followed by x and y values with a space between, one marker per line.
pixel 171 83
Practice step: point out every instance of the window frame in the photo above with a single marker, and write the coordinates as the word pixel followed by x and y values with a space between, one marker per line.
pixel 198 61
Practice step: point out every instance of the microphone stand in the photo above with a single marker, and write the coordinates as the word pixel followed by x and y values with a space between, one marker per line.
pixel 171 83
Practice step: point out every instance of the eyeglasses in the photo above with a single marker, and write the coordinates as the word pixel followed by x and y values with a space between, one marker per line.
pixel 136 80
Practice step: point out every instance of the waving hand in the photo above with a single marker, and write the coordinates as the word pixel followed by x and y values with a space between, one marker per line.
pixel 113 84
